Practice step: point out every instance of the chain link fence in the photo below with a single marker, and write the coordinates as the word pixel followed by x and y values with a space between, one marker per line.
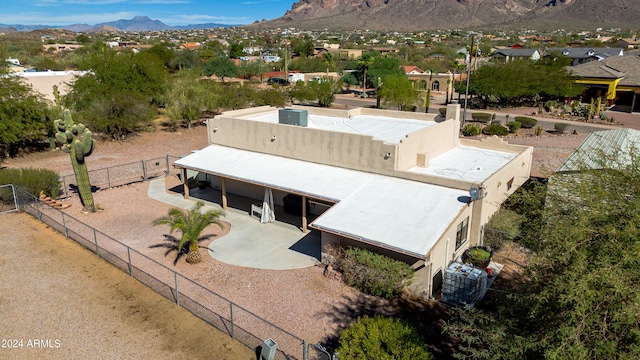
pixel 236 321
pixel 123 174
pixel 8 199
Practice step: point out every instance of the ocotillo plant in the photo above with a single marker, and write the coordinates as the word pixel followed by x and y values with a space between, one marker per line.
pixel 79 143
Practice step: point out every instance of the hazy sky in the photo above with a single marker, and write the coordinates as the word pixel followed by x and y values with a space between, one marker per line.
pixel 170 12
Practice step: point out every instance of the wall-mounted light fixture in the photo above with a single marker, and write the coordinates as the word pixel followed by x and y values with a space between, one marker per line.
pixel 387 155
pixel 273 138
pixel 215 129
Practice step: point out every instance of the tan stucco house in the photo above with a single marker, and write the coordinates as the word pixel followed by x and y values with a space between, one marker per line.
pixel 398 183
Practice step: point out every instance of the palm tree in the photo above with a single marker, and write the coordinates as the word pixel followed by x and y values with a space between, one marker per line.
pixel 364 61
pixel 328 60
pixel 191 223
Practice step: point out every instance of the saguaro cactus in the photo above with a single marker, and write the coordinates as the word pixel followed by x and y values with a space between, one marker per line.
pixel 79 143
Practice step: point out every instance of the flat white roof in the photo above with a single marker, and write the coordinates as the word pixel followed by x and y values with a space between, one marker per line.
pixel 388 129
pixel 466 163
pixel 402 215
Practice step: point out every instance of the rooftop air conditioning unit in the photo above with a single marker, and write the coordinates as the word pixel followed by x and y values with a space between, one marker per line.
pixel 293 117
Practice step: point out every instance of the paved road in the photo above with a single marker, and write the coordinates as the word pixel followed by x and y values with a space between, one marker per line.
pixel 624 119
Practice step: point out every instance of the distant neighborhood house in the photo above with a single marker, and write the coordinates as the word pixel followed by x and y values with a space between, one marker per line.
pixel 616 79
pixel 515 54
pixel 583 55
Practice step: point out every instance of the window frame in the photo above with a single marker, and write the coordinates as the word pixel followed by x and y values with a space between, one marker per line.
pixel 462 232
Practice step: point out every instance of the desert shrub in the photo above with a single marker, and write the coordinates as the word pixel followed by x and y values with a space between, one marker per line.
pixel 481 117
pixel 375 274
pixel 513 126
pixel 443 112
pixel 550 105
pixel 495 130
pixel 382 338
pixel 526 122
pixel 560 127
pixel 32 180
pixel 471 130
pixel 539 130
pixel 503 227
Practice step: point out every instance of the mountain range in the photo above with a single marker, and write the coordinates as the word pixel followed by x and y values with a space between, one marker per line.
pixel 458 14
pixel 413 15
pixel 138 23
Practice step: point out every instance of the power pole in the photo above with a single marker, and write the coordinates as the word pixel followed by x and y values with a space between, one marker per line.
pixel 466 94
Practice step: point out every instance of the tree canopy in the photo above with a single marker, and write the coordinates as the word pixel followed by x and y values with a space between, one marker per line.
pixel 23 113
pixel 220 66
pixel 580 296
pixel 397 90
pixel 119 94
pixel 521 80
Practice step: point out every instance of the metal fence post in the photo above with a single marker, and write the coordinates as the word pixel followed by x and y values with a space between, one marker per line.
pixel 15 197
pixel 304 349
pixel 38 209
pixel 95 241
pixel 64 186
pixel 175 278
pixel 167 171
pixel 144 171
pixel 129 258
pixel 64 225
pixel 231 312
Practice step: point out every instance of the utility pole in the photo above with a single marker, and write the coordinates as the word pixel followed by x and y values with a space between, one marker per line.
pixel 466 94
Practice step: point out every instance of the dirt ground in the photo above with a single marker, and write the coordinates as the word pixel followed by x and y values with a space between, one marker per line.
pixel 59 301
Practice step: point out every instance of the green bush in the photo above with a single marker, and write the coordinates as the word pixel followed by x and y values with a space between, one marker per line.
pixel 375 274
pixel 503 227
pixel 443 112
pixel 33 180
pixel 514 126
pixel 471 130
pixel 495 130
pixel 560 127
pixel 382 338
pixel 481 117
pixel 539 130
pixel 526 122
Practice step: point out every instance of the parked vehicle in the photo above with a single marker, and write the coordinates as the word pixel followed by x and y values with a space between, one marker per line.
pixel 295 77
pixel 279 81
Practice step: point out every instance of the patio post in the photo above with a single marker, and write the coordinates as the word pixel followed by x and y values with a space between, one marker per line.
pixel 224 193
pixel 304 214
pixel 185 184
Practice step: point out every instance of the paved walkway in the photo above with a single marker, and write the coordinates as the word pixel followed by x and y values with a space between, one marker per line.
pixel 276 246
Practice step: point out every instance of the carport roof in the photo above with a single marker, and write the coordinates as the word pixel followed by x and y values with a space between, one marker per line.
pixel 401 215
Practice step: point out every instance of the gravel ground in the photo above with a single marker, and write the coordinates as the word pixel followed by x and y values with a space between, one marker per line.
pixel 60 301
pixel 302 301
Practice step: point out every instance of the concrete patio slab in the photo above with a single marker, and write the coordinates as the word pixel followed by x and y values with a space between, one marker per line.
pixel 275 246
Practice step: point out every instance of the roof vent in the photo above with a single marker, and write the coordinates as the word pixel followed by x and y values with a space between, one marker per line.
pixel 293 117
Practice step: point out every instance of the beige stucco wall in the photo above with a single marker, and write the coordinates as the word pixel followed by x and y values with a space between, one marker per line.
pixel 496 186
pixel 319 146
pixel 432 141
pixel 43 82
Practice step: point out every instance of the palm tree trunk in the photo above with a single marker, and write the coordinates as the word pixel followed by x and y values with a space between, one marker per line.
pixel 194 257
